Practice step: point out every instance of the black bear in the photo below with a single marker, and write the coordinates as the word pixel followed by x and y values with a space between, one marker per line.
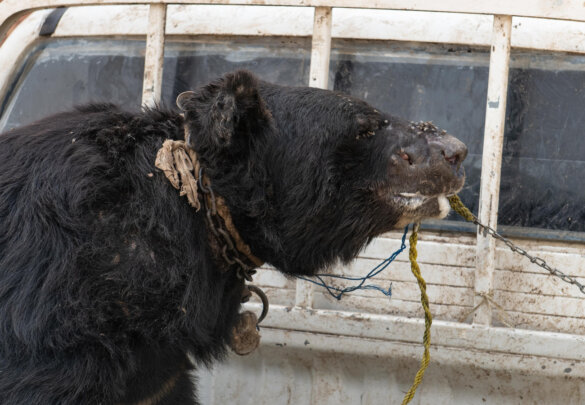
pixel 111 282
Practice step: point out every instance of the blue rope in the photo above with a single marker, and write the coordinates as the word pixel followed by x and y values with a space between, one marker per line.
pixel 337 293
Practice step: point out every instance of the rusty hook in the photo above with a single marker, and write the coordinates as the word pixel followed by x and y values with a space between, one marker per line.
pixel 263 298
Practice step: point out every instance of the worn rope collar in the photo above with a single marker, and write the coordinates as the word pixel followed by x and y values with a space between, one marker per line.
pixel 181 167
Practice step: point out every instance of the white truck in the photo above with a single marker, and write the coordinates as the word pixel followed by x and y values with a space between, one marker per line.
pixel 507 78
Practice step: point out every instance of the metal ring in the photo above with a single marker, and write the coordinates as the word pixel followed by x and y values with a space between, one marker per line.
pixel 263 298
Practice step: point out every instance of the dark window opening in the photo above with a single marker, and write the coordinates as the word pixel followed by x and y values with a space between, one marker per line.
pixel 544 150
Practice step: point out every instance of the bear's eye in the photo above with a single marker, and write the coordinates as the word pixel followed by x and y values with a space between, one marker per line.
pixel 405 156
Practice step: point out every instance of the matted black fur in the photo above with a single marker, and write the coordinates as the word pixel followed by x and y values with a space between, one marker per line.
pixel 106 278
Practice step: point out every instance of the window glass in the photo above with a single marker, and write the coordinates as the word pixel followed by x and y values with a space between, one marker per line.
pixel 193 63
pixel 544 151
pixel 59 74
pixel 436 83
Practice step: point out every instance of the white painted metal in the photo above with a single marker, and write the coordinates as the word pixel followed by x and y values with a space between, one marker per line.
pixel 448 334
pixel 295 367
pixel 396 25
pixel 530 297
pixel 318 77
pixel 15 46
pixel 493 141
pixel 154 57
pixel 321 48
pixel 304 294
pixel 572 10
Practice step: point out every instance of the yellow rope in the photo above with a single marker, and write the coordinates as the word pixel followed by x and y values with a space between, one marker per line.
pixel 412 254
pixel 461 209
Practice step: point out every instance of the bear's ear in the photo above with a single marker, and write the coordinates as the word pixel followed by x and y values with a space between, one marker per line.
pixel 183 99
pixel 225 110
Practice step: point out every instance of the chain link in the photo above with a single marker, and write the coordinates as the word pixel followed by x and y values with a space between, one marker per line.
pixel 229 252
pixel 533 259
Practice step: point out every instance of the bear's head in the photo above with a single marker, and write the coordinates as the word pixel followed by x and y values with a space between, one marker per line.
pixel 311 176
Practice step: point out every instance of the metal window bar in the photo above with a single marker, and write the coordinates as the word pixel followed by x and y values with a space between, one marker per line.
pixel 493 141
pixel 154 57
pixel 502 10
pixel 318 77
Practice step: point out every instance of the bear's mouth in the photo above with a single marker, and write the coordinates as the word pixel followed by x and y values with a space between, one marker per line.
pixel 418 206
pixel 413 200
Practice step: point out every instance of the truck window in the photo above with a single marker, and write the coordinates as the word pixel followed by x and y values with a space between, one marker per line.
pixel 543 152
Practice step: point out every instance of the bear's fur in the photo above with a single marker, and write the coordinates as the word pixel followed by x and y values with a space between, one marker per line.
pixel 107 279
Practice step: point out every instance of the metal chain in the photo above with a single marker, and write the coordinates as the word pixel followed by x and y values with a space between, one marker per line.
pixel 533 259
pixel 229 252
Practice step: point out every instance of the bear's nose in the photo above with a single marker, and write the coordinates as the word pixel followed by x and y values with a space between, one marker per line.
pixel 453 150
